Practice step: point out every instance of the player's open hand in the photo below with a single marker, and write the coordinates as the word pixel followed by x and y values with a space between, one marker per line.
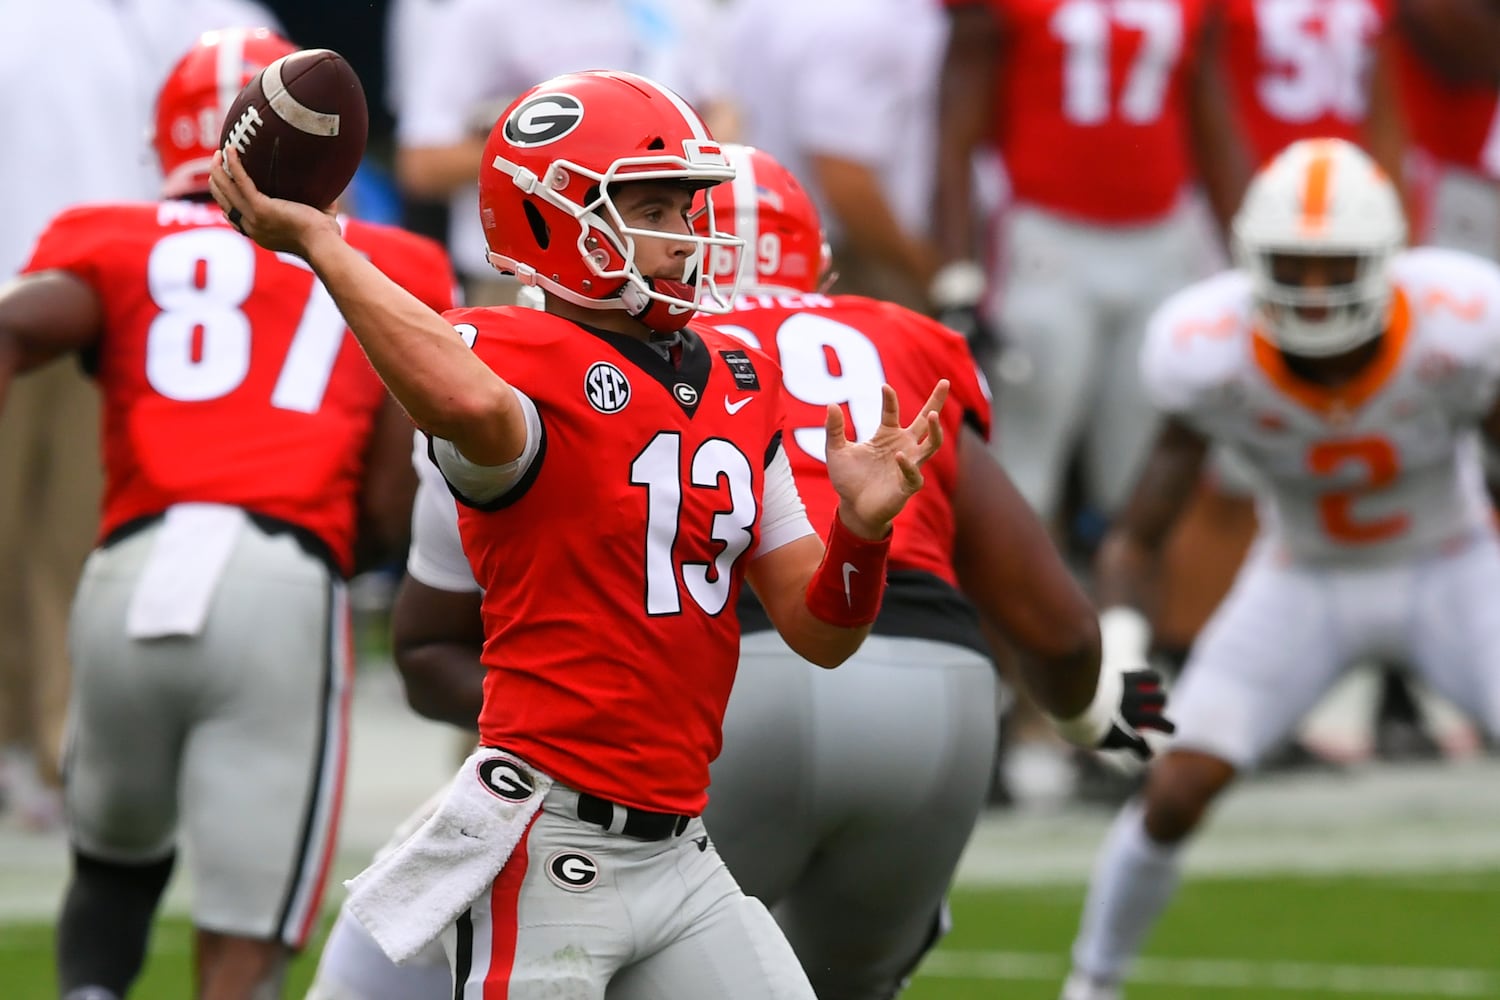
pixel 874 478
pixel 274 223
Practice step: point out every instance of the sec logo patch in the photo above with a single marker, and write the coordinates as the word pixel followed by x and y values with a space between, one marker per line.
pixel 572 870
pixel 607 388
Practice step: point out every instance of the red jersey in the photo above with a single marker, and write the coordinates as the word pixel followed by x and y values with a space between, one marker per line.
pixel 841 349
pixel 1089 103
pixel 611 572
pixel 1458 123
pixel 227 372
pixel 1300 69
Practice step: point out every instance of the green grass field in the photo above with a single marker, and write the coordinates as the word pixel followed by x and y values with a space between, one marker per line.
pixel 1276 939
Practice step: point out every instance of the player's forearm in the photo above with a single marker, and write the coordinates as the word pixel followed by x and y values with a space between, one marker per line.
pixel 1063 685
pixel 444 681
pixel 7 366
pixel 433 374
pixel 823 600
pixel 817 641
pixel 1123 572
pixel 858 202
pixel 965 114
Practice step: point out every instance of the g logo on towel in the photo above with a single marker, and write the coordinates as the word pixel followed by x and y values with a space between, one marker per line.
pixel 506 779
pixel 572 870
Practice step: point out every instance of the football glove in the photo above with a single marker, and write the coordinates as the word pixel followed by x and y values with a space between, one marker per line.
pixel 956 293
pixel 1128 712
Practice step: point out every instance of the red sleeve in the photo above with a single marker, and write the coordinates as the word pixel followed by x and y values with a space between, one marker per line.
pixel 421 266
pixel 968 392
pixel 74 242
pixel 434 281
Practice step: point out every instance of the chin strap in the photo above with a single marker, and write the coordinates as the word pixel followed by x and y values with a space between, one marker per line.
pixel 663 317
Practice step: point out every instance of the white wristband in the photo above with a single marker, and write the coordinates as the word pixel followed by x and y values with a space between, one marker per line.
pixel 1124 638
pixel 957 284
pixel 1091 725
pixel 1124 635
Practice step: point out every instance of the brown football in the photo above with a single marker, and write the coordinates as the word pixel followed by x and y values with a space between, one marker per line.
pixel 300 127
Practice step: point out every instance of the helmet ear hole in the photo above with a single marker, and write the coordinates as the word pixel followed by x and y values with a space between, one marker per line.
pixel 657 143
pixel 539 230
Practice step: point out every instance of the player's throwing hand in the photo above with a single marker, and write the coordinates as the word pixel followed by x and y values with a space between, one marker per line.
pixel 874 478
pixel 274 223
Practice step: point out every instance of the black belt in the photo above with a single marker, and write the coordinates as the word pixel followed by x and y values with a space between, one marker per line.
pixel 639 823
pixel 306 540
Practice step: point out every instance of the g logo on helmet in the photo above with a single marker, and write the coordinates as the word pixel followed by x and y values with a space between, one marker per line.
pixel 542 119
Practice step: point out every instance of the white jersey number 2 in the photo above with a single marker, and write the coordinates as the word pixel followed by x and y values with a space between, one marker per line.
pixel 198 346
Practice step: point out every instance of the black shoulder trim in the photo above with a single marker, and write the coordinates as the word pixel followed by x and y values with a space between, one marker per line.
pixel 510 496
pixel 771 449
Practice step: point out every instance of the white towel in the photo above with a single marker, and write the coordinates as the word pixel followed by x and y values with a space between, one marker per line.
pixel 409 897
pixel 188 555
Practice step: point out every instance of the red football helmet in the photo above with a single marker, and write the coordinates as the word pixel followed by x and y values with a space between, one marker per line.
pixel 192 103
pixel 546 183
pixel 766 207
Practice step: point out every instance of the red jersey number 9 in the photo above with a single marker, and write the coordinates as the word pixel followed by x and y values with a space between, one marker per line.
pixel 824 361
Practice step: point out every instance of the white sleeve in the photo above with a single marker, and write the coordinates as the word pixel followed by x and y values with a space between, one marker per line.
pixel 851 86
pixel 483 484
pixel 436 556
pixel 785 518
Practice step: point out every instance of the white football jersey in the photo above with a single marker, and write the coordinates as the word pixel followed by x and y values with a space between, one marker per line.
pixel 1374 470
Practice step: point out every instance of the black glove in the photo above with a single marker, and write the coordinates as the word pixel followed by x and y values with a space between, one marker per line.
pixel 1140 710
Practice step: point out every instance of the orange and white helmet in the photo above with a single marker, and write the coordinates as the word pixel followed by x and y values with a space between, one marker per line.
pixel 192 103
pixel 1320 197
pixel 546 193
pixel 785 247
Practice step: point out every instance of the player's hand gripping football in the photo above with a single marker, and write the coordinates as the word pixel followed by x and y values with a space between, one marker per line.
pixel 874 478
pixel 274 223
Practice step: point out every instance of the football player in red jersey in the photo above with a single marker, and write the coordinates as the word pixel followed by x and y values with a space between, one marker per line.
pixel 1305 69
pixel 1450 64
pixel 827 776
pixel 1106 117
pixel 621 475
pixel 245 441
pixel 808 751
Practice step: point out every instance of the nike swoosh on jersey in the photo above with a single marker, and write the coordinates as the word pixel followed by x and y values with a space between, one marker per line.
pixel 849 570
pixel 736 405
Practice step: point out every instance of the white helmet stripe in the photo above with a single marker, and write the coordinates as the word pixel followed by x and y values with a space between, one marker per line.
pixel 746 207
pixel 229 67
pixel 700 130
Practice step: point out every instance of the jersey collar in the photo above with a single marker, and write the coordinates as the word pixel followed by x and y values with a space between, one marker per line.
pixel 685 382
pixel 1331 402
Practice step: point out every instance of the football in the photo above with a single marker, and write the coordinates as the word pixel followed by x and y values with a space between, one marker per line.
pixel 300 127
